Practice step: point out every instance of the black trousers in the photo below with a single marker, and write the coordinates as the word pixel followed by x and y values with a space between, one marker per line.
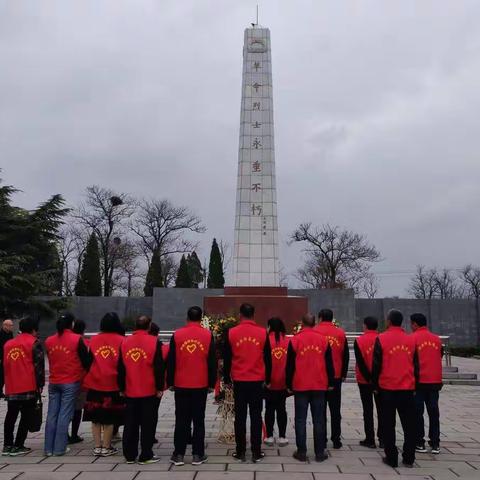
pixel 248 395
pixel 334 402
pixel 155 415
pixel 190 404
pixel 368 397
pixel 139 423
pixel 316 401
pixel 16 407
pixel 403 402
pixel 275 401
pixel 428 398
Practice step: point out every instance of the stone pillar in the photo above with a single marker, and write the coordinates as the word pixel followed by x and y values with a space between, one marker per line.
pixel 255 260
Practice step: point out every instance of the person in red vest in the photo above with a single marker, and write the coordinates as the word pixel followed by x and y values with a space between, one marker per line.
pixel 363 348
pixel 429 353
pixel 191 373
pixel 141 373
pixel 393 375
pixel 68 361
pixel 309 375
pixel 248 363
pixel 24 368
pixel 276 395
pixel 340 354
pixel 104 406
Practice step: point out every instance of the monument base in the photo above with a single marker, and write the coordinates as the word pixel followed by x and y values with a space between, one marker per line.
pixel 268 302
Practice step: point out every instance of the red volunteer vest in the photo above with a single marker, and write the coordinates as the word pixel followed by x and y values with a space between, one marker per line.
pixel 247 341
pixel 279 362
pixel 64 362
pixel 398 350
pixel 336 337
pixel 310 366
pixel 138 353
pixel 192 344
pixel 365 343
pixel 18 365
pixel 429 351
pixel 105 349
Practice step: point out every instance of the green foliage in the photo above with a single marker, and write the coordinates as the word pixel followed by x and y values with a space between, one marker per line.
pixel 29 260
pixel 89 282
pixel 195 269
pixel 154 275
pixel 215 268
pixel 183 275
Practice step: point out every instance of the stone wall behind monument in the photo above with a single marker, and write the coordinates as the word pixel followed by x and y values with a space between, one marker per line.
pixel 168 307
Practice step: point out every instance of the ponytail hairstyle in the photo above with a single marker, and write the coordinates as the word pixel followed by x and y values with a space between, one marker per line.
pixel 65 322
pixel 277 326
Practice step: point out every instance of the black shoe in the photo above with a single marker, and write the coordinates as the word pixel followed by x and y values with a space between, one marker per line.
pixel 367 443
pixel 239 457
pixel 321 457
pixel 421 448
pixel 75 439
pixel 407 464
pixel 390 463
pixel 258 457
pixel 177 460
pixel 199 459
pixel 300 456
pixel 337 444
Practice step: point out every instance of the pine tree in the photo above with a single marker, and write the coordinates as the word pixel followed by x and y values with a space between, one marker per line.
pixel 215 268
pixel 195 269
pixel 154 275
pixel 183 275
pixel 90 281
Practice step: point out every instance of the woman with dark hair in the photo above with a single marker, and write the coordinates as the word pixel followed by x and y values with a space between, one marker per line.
pixel 276 393
pixel 104 406
pixel 68 360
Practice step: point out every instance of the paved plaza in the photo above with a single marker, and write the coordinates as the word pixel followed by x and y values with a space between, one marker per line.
pixel 460 457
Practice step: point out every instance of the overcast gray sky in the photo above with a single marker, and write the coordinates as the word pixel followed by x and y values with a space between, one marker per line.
pixel 376 111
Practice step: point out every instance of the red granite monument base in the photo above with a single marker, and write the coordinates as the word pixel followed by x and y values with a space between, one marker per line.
pixel 268 302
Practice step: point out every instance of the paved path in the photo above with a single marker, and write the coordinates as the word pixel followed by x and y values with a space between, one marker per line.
pixel 460 458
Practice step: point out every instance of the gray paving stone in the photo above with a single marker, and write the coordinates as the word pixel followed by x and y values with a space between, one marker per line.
pixel 342 476
pixel 7 476
pixel 48 476
pixel 165 476
pixel 282 476
pixel 225 476
pixel 85 467
pixel 155 467
pixel 255 467
pixel 106 476
pixel 312 467
pixel 27 467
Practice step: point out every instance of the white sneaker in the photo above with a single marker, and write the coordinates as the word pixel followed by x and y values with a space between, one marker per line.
pixel 435 450
pixel 270 441
pixel 97 451
pixel 282 442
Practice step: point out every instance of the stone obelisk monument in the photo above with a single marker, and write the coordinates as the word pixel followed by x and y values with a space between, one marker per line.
pixel 255 262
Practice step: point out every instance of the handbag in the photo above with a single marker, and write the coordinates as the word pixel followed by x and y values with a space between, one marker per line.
pixel 36 416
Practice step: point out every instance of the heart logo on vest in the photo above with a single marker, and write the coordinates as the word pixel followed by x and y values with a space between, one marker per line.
pixel 135 356
pixel 191 348
pixel 14 355
pixel 278 354
pixel 105 353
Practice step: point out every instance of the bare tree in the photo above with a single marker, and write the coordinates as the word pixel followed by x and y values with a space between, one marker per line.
pixel 313 273
pixel 169 270
pixel 470 276
pixel 447 285
pixel 162 226
pixel 369 285
pixel 128 272
pixel 434 283
pixel 335 258
pixel 106 213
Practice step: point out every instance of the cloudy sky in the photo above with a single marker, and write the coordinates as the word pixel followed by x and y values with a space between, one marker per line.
pixel 376 109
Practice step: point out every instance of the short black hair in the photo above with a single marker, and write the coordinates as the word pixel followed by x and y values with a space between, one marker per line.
pixel 110 323
pixel 65 322
pixel 28 325
pixel 247 310
pixel 395 317
pixel 143 322
pixel 154 329
pixel 371 323
pixel 79 326
pixel 308 320
pixel 325 315
pixel 419 318
pixel 195 314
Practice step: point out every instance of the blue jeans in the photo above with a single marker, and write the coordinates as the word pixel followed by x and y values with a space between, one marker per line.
pixel 316 400
pixel 61 405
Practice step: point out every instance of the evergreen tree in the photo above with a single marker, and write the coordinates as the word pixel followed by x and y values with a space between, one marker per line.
pixel 195 269
pixel 183 275
pixel 89 282
pixel 154 275
pixel 215 268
